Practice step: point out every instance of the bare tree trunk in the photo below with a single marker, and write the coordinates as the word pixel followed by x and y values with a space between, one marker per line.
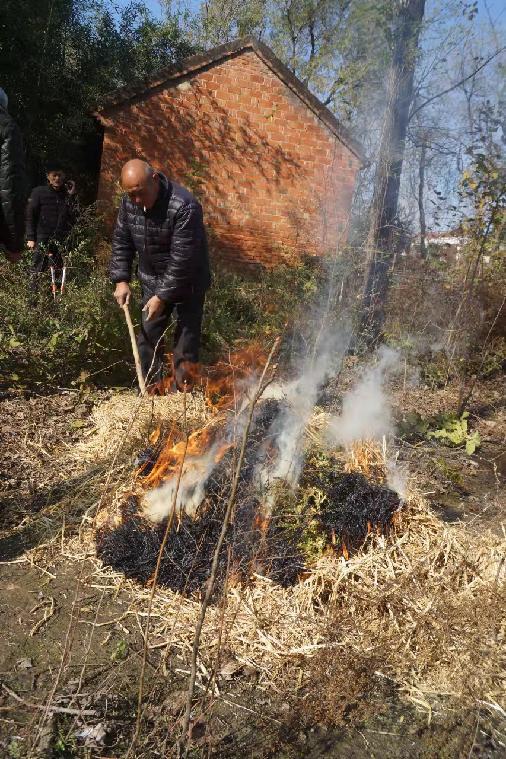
pixel 421 206
pixel 383 225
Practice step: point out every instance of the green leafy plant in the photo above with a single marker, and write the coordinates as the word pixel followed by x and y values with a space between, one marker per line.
pixel 449 428
pixel 65 743
pixel 453 430
pixel 14 749
pixel 79 337
pixel 120 651
pixel 241 307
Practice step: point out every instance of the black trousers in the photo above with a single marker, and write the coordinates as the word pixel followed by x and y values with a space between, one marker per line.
pixel 186 339
pixel 41 261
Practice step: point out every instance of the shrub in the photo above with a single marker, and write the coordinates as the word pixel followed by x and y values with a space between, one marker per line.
pixel 80 335
pixel 245 307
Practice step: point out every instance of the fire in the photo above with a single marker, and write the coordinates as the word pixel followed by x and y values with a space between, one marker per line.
pixel 220 382
pixel 170 456
pixel 366 457
pixel 223 385
pixel 223 381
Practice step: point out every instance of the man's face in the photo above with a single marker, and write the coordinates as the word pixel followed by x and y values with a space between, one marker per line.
pixel 56 179
pixel 142 191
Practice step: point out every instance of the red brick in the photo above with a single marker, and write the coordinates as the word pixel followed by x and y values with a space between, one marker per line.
pixel 271 168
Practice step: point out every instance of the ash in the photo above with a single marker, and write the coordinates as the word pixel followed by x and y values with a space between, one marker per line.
pixel 353 506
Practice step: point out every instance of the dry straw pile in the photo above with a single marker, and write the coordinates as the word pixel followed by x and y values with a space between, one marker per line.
pixel 127 420
pixel 421 610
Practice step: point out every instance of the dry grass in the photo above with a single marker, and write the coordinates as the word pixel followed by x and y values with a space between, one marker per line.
pixel 133 419
pixel 421 610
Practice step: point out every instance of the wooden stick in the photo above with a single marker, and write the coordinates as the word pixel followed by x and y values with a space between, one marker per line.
pixel 135 350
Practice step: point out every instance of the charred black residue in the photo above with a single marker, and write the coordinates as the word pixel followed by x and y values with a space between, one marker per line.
pixel 132 548
pixel 353 506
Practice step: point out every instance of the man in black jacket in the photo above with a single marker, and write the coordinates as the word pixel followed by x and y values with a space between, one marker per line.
pixel 12 184
pixel 50 216
pixel 163 223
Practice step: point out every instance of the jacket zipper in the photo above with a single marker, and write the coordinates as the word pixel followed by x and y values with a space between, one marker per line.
pixel 145 238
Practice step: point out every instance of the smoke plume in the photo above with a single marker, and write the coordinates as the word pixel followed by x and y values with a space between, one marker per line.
pixel 158 503
pixel 366 413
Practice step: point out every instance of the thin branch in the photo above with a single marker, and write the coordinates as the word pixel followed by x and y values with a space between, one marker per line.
pixel 54 709
pixel 214 566
pixel 464 400
pixel 457 84
pixel 168 528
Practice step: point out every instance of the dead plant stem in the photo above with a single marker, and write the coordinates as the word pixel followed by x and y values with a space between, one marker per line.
pixel 69 633
pixel 168 528
pixel 54 709
pixel 464 399
pixel 214 566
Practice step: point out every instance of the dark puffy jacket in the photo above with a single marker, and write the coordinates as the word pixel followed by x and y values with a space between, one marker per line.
pixel 50 214
pixel 170 240
pixel 12 183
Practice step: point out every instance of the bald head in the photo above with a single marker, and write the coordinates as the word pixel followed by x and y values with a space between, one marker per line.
pixel 141 182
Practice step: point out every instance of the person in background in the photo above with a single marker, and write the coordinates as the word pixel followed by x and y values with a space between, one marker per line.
pixel 12 184
pixel 51 213
pixel 162 223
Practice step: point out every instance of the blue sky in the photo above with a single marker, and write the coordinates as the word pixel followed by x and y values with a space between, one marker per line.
pixel 156 7
pixel 497 8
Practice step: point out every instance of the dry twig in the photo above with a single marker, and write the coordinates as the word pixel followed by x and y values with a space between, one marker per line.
pixel 214 566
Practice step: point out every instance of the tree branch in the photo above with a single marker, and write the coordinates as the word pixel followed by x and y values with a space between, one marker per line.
pixel 457 84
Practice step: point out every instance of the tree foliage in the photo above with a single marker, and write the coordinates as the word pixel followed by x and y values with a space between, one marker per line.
pixel 336 48
pixel 59 57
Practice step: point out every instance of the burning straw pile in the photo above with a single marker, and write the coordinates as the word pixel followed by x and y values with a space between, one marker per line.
pixel 415 607
pixel 330 588
pixel 338 508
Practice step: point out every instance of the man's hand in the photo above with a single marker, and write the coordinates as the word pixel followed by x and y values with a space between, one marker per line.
pixel 30 244
pixel 13 256
pixel 71 186
pixel 122 293
pixel 154 307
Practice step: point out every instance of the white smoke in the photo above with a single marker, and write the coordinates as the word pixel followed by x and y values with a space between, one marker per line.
pixel 283 452
pixel 366 413
pixel 397 479
pixel 158 503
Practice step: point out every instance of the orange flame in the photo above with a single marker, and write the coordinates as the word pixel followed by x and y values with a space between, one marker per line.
pixel 221 384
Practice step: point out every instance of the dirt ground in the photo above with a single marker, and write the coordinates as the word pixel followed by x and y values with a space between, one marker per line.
pixel 71 639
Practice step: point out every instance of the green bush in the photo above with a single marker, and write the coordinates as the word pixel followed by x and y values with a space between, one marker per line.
pixel 64 342
pixel 81 335
pixel 241 307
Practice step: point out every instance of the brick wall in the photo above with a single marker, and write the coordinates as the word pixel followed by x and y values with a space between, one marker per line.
pixel 273 180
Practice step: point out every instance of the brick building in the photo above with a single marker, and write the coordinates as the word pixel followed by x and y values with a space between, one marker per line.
pixel 273 167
